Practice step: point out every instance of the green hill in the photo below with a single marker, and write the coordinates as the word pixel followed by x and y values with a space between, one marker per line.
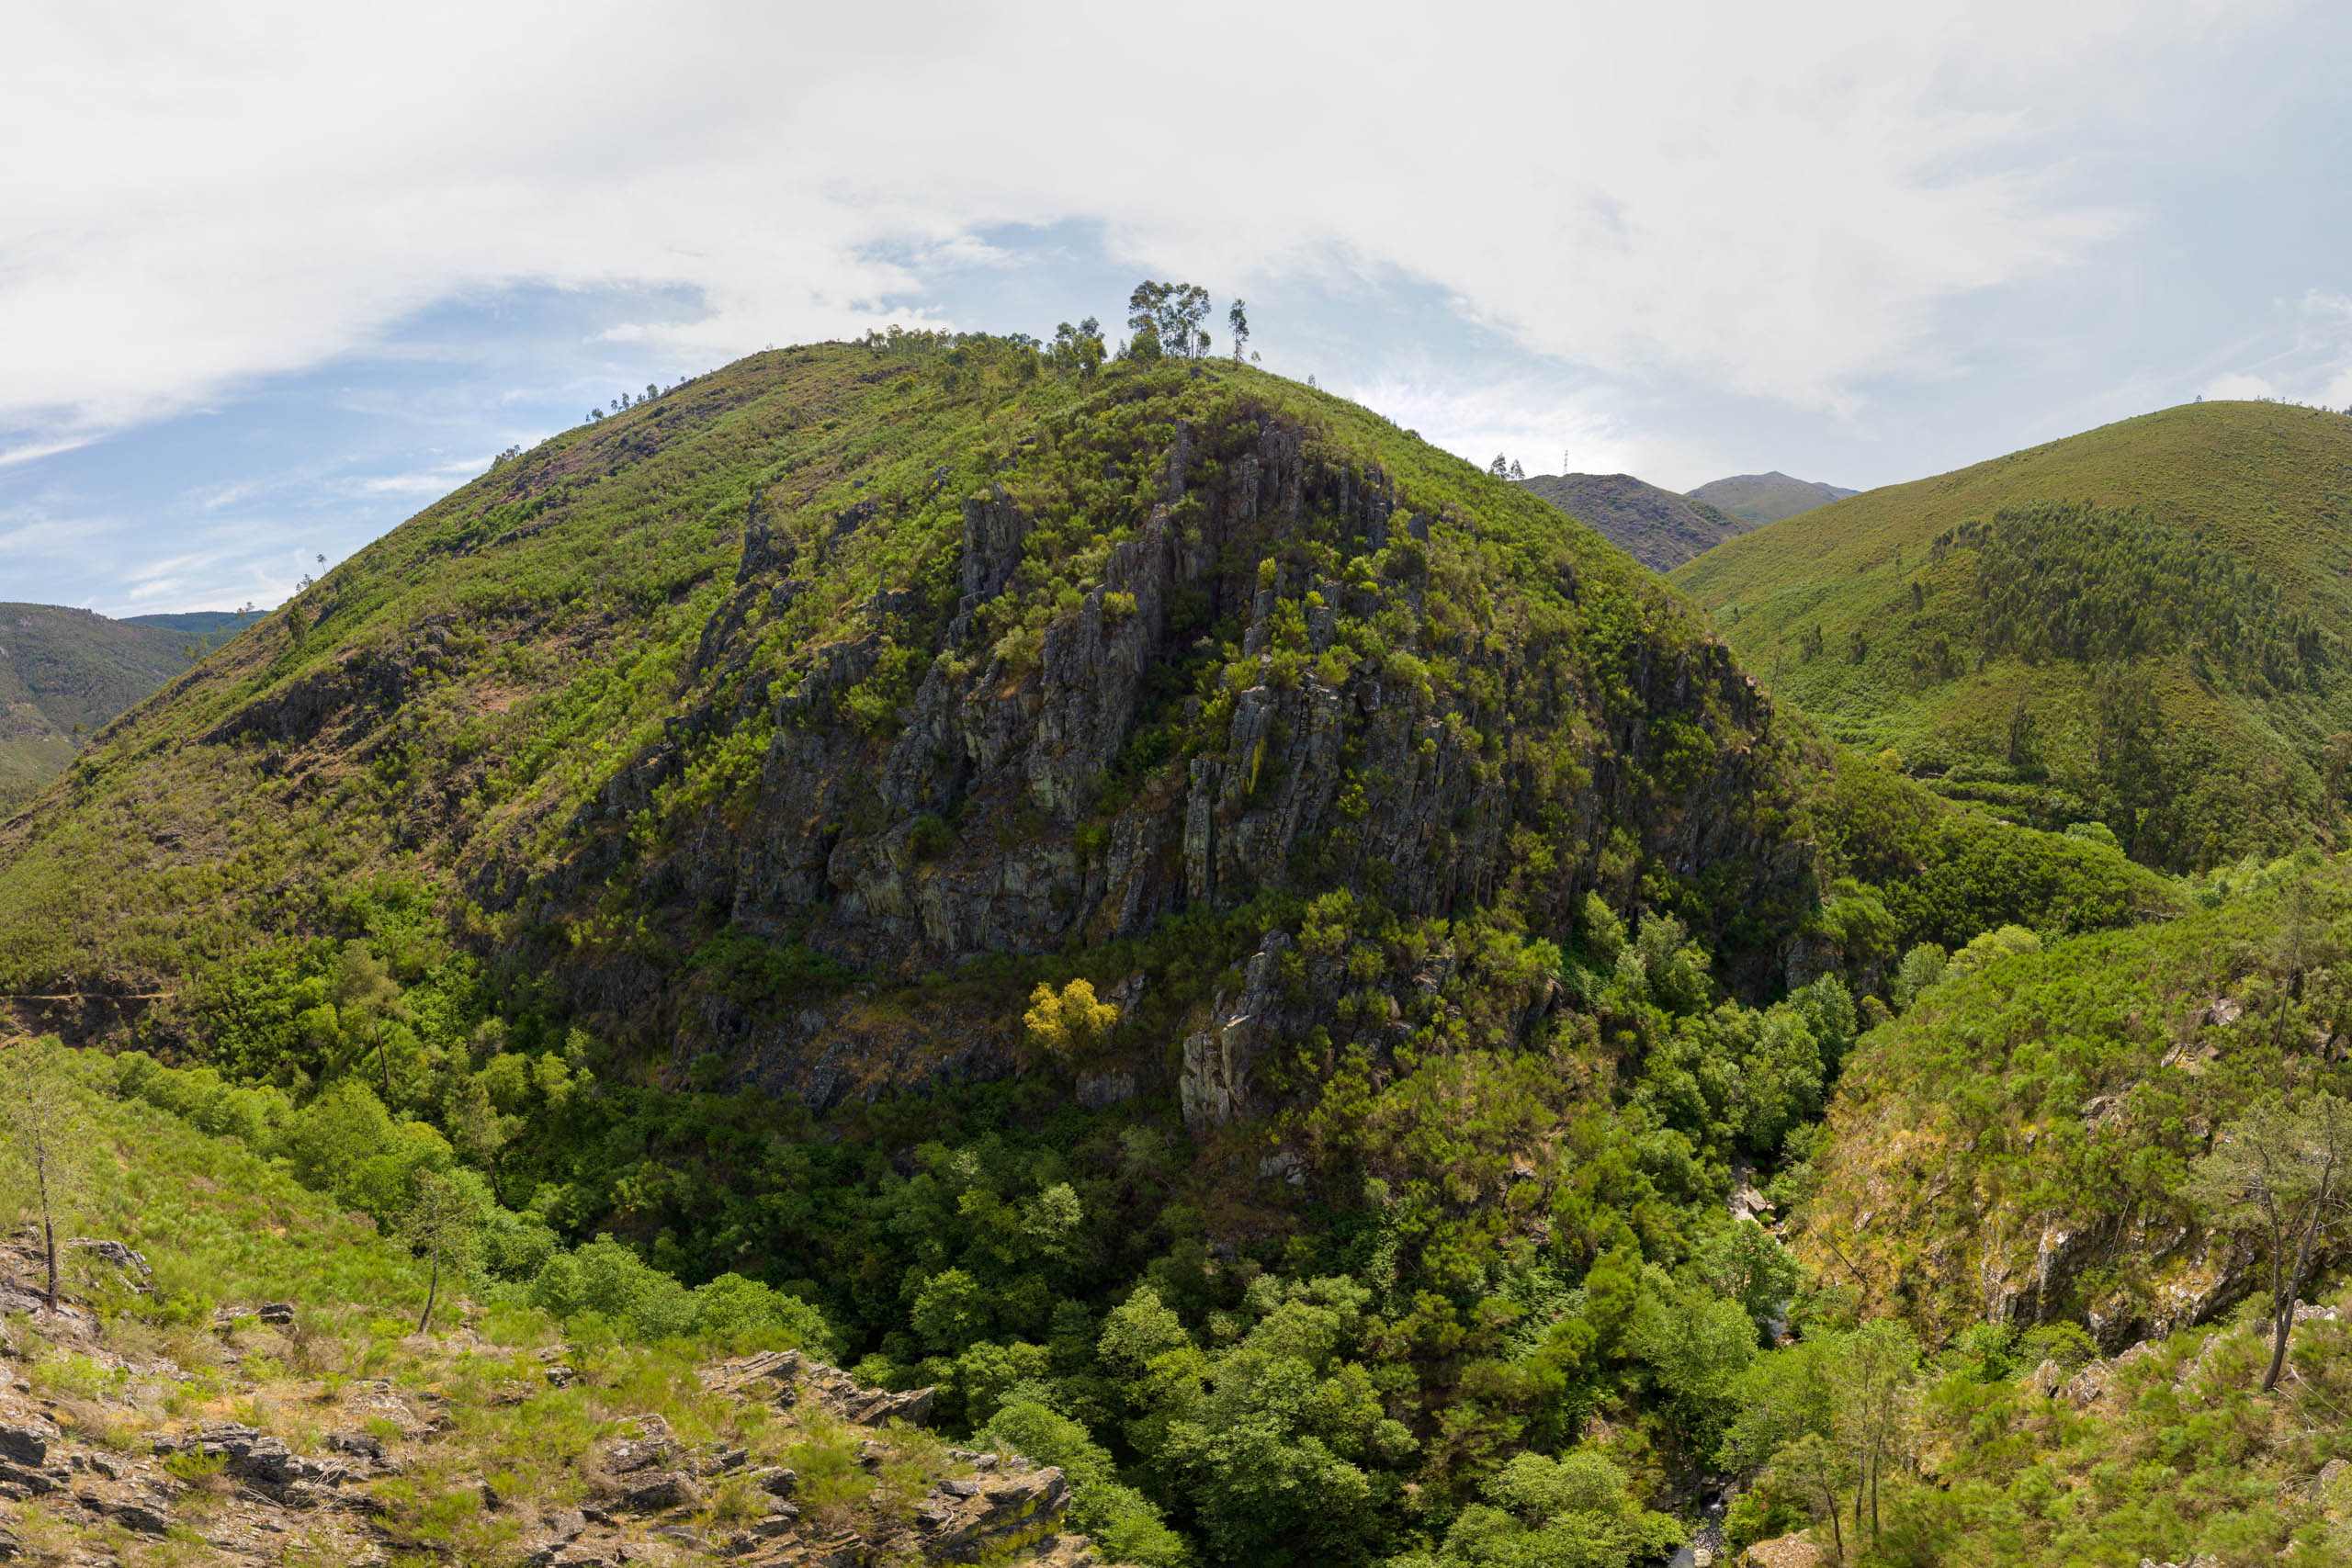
pixel 1656 527
pixel 1200 938
pixel 208 627
pixel 65 673
pixel 1758 499
pixel 816 646
pixel 2138 625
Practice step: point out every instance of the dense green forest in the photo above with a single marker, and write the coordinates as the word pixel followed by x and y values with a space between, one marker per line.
pixel 1273 971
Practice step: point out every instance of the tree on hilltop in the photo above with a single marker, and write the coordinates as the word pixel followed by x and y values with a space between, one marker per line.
pixel 1167 317
pixel 1078 349
pixel 1237 324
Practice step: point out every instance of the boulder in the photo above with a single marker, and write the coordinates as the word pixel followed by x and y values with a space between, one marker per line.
pixel 27 1443
pixel 130 1513
pixel 1798 1550
pixel 961 1521
pixel 663 1489
pixel 630 1455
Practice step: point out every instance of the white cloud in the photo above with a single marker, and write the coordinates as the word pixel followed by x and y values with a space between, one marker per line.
pixel 2236 388
pixel 2313 367
pixel 1531 421
pixel 1776 199
pixel 428 483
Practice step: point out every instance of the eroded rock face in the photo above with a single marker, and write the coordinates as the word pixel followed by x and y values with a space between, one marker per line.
pixel 956 830
pixel 1216 1085
pixel 962 1520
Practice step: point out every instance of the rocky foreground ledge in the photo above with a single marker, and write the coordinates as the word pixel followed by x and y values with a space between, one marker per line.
pixel 117 1441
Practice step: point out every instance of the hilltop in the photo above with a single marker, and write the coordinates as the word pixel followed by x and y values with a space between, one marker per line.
pixel 2135 626
pixel 1758 499
pixel 1656 527
pixel 65 673
pixel 895 661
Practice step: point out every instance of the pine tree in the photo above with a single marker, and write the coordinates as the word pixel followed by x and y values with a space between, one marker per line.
pixel 442 1223
pixel 42 1138
pixel 2282 1172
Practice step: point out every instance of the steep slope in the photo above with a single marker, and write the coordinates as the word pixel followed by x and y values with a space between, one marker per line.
pixel 2015 1148
pixel 2137 625
pixel 1758 499
pixel 1656 527
pixel 65 672
pixel 831 653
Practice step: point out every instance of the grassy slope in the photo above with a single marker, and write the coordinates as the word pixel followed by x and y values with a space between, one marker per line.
pixel 2271 483
pixel 530 626
pixel 63 669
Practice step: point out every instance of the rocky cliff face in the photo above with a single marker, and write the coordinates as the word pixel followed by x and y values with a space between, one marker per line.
pixel 2018 1147
pixel 1282 674
pixel 738 717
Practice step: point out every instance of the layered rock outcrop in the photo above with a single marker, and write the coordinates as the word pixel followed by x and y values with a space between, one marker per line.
pixel 1434 729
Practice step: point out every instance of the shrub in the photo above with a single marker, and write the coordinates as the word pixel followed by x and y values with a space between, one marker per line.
pixel 1069 1023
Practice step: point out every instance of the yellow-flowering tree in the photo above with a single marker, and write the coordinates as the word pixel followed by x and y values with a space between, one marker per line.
pixel 1069 1021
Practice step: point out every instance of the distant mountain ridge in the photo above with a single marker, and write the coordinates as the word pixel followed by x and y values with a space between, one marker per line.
pixel 1758 499
pixel 1656 527
pixel 212 626
pixel 65 672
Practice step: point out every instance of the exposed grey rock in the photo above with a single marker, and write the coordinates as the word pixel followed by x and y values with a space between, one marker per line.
pixel 789 1377
pixel 959 1525
pixel 648 1494
pixel 132 1513
pixel 638 1453
pixel 114 1252
pixel 1216 1088
pixel 25 1443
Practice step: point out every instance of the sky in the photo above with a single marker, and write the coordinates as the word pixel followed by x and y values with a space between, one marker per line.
pixel 278 275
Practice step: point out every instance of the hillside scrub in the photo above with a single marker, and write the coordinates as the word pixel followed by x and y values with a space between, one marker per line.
pixel 2024 1448
pixel 2128 627
pixel 2019 1144
pixel 245 1386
